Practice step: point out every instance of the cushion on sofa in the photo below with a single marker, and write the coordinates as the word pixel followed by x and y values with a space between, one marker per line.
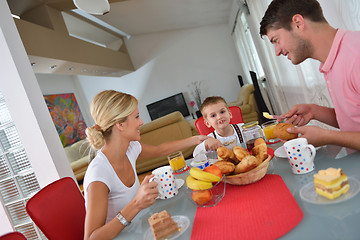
pixel 175 131
pixel 80 163
pixel 79 155
pixel 168 128
pixel 161 122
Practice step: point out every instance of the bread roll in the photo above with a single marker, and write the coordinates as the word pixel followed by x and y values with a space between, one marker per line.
pixel 260 149
pixel 280 131
pixel 226 167
pixel 240 152
pixel 247 163
pixel 226 154
pixel 259 141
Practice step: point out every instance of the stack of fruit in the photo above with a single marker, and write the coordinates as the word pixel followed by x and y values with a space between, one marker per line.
pixel 206 185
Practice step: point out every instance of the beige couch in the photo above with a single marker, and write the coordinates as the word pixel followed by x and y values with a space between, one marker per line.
pixel 246 101
pixel 167 128
pixel 79 156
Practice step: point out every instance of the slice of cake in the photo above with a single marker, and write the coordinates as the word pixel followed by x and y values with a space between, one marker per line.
pixel 162 225
pixel 331 183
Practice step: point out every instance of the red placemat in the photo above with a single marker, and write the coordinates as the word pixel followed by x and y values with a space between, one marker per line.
pixel 270 151
pixel 262 210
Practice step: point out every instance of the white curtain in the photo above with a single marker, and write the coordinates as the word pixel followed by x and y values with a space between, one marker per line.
pixel 288 84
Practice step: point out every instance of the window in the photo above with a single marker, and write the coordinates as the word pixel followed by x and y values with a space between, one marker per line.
pixel 17 178
pixel 246 47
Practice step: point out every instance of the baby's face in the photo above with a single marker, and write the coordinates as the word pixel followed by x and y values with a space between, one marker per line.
pixel 217 116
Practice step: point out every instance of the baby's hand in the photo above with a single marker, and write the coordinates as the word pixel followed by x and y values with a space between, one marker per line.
pixel 212 144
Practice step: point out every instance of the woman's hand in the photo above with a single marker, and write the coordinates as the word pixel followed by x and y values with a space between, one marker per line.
pixel 147 193
pixel 200 138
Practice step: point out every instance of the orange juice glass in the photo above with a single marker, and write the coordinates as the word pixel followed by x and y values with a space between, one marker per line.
pixel 177 161
pixel 268 128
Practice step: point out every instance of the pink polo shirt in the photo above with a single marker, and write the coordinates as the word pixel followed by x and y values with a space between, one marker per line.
pixel 342 74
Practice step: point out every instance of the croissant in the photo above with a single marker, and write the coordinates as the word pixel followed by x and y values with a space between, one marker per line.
pixel 247 163
pixel 240 152
pixel 226 154
pixel 260 149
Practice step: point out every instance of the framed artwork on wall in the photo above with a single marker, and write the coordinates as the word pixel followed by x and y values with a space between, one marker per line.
pixel 67 117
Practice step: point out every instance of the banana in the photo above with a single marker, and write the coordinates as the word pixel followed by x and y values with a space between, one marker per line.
pixel 199 174
pixel 195 184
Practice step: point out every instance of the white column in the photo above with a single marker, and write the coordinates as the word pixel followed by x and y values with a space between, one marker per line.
pixel 28 109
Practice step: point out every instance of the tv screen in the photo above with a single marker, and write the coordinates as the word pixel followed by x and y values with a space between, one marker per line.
pixel 168 105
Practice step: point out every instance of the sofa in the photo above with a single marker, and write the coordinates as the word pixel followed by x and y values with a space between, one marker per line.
pixel 79 156
pixel 246 101
pixel 167 128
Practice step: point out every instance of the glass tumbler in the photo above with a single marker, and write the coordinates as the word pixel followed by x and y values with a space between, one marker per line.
pixel 177 162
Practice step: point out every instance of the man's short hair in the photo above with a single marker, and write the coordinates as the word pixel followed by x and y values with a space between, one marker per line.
pixel 210 101
pixel 280 12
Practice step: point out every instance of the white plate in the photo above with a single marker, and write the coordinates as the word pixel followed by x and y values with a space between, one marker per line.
pixel 183 223
pixel 179 182
pixel 280 152
pixel 308 193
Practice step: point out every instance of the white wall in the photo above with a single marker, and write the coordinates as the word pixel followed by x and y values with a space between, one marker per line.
pixel 28 110
pixel 168 62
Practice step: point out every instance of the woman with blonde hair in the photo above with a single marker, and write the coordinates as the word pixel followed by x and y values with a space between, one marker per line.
pixel 113 193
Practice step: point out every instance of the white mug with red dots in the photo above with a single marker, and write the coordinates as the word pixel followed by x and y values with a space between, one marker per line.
pixel 166 182
pixel 300 155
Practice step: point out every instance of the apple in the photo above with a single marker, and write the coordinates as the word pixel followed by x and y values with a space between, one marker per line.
pixel 201 196
pixel 214 170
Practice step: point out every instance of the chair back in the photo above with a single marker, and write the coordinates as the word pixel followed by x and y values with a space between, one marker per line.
pixel 236 118
pixel 59 210
pixel 13 236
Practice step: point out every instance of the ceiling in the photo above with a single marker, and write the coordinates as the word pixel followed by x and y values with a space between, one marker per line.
pixel 146 16
pixel 137 17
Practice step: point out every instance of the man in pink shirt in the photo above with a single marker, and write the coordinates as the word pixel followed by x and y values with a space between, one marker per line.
pixel 298 30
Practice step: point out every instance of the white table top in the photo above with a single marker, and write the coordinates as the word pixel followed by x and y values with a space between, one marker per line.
pixel 331 221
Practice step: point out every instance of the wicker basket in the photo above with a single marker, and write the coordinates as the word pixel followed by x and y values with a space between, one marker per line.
pixel 251 176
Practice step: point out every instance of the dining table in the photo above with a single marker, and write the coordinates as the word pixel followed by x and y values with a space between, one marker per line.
pixel 338 219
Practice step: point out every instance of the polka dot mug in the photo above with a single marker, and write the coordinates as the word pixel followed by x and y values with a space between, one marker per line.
pixel 166 182
pixel 300 155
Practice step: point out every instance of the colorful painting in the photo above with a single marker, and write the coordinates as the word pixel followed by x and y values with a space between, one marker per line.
pixel 67 117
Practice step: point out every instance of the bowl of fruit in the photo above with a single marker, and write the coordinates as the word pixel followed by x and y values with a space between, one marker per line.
pixel 206 187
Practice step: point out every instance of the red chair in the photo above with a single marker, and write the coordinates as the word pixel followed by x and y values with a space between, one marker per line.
pixel 13 236
pixel 59 210
pixel 236 118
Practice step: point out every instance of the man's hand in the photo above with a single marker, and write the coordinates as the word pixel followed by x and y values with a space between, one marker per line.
pixel 299 114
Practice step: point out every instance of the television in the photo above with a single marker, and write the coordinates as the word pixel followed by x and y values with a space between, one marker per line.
pixel 168 105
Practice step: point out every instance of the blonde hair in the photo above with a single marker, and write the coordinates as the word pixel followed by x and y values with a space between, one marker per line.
pixel 210 101
pixel 108 108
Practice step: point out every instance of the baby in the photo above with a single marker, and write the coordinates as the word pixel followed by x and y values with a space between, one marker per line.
pixel 216 114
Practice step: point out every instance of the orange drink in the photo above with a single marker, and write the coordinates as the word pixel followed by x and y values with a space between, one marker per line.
pixel 177 161
pixel 268 128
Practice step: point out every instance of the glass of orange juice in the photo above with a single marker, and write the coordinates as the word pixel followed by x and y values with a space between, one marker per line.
pixel 268 128
pixel 177 162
